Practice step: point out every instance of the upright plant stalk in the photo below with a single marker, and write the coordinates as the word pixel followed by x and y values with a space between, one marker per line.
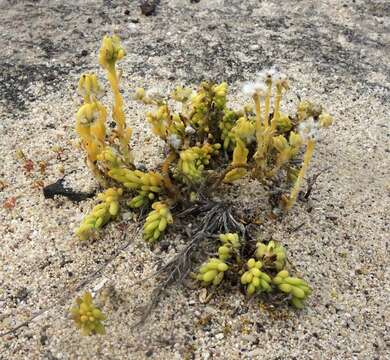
pixel 278 98
pixel 306 160
pixel 259 131
pixel 124 133
pixel 110 52
pixel 256 99
pixel 267 104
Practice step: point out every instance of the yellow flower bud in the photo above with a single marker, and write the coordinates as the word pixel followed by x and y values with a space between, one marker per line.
pixel 89 87
pixel 110 51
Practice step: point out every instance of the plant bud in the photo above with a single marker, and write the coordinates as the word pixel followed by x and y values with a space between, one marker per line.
pixel 149 227
pixel 251 263
pixel 156 234
pixel 297 292
pixel 280 143
pixel 256 282
pixel 265 285
pixel 163 224
pixel 114 208
pixel 265 277
pixel 210 275
pixel 283 274
pixel 222 267
pixel 223 250
pixel 251 289
pixel 285 288
pixel 255 271
pixel 293 281
pixel 325 120
pixel 277 280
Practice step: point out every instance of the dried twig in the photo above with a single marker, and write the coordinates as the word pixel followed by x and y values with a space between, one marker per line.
pixel 217 218
pixel 311 182
pixel 296 228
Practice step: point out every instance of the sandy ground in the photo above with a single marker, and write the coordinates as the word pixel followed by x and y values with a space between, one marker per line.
pixel 335 52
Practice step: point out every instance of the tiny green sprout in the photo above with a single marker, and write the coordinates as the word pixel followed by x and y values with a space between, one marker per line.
pixel 87 317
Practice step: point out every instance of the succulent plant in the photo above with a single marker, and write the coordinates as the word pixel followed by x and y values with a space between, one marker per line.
pixel 296 287
pixel 87 317
pixel 207 145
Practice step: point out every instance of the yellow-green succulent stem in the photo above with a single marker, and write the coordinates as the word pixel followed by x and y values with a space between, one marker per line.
pixel 118 102
pixel 302 172
pixel 267 104
pixel 118 113
pixel 256 99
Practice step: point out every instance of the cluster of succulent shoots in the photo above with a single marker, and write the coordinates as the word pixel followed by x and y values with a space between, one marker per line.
pixel 264 273
pixel 87 317
pixel 208 143
pixel 102 213
pixel 212 271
